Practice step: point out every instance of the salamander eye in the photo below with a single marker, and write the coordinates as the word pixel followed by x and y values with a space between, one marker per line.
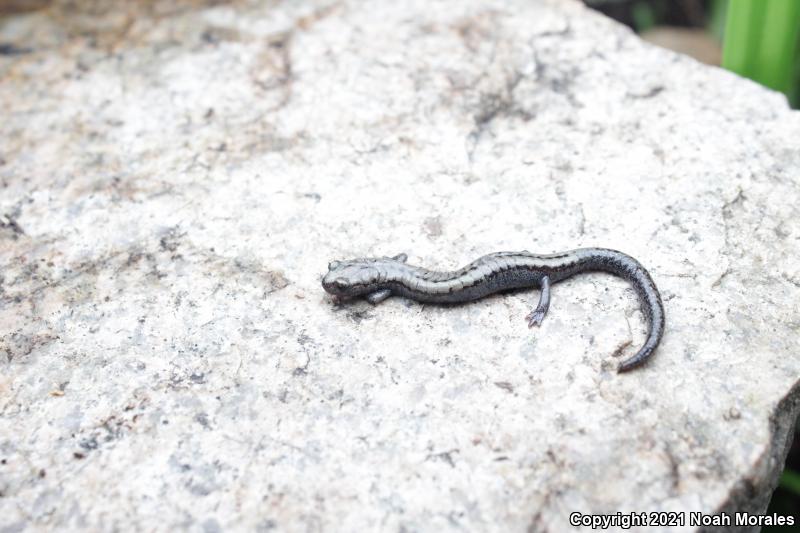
pixel 333 264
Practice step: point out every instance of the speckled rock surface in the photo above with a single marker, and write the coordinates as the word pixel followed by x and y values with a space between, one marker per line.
pixel 174 178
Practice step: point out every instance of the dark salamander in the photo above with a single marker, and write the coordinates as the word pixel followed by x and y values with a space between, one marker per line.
pixel 378 278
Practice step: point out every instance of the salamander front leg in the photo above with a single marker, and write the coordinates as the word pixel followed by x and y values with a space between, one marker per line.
pixel 536 316
pixel 378 296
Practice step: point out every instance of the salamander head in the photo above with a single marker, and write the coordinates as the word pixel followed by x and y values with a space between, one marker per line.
pixel 350 279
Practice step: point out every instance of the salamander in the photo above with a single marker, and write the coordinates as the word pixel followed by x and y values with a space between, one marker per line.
pixel 377 279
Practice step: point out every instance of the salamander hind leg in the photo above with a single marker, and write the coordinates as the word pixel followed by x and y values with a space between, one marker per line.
pixel 378 296
pixel 536 316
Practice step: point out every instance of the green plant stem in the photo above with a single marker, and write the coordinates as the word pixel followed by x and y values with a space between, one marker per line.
pixel 761 41
pixel 790 480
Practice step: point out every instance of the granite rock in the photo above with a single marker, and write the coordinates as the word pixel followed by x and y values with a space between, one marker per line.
pixel 174 178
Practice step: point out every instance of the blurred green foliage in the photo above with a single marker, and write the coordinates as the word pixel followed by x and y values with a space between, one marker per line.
pixel 761 43
pixel 644 16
